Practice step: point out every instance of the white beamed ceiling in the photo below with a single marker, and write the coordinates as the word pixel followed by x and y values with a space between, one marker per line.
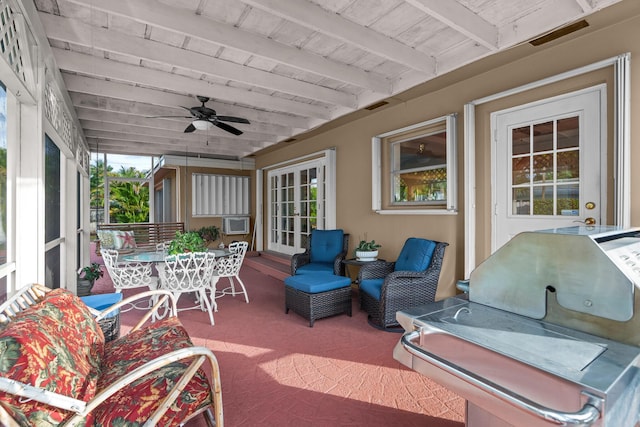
pixel 288 66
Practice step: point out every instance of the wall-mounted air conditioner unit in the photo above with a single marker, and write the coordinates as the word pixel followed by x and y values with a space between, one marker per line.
pixel 235 225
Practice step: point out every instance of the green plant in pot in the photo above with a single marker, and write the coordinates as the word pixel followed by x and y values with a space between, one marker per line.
pixel 187 242
pixel 367 250
pixel 87 277
pixel 209 234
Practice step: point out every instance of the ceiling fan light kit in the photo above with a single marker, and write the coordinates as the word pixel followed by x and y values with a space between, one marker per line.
pixel 205 118
pixel 202 124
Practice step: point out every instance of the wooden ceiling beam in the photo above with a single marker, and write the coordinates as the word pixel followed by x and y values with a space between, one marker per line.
pixel 184 22
pixel 312 16
pixel 169 102
pixel 79 33
pixel 134 74
pixel 461 19
pixel 119 117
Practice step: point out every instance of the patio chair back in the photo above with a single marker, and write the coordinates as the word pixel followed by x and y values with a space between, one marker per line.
pixel 229 267
pixel 127 275
pixel 190 272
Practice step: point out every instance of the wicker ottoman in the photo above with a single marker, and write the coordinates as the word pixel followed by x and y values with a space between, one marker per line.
pixel 314 296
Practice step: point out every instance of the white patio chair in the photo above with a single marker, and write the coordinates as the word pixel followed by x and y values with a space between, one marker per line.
pixel 229 267
pixel 190 272
pixel 128 275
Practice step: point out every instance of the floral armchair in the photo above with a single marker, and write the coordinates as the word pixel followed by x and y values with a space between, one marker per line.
pixel 412 280
pixel 57 369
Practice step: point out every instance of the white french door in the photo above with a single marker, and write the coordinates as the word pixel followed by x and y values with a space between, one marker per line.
pixel 549 164
pixel 297 205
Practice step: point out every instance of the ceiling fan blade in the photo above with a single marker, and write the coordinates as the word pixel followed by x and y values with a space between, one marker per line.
pixel 190 128
pixel 233 119
pixel 228 128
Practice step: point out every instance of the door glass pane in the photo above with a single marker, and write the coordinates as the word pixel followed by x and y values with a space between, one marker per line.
pixel 544 189
pixel 543 168
pixel 543 137
pixel 521 143
pixel 543 200
pixel 520 170
pixel 568 166
pixel 521 201
pixel 308 196
pixel 568 200
pixel 568 132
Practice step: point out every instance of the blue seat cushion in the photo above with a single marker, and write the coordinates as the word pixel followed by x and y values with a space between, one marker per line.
pixel 415 255
pixel 316 283
pixel 316 267
pixel 326 245
pixel 102 301
pixel 372 287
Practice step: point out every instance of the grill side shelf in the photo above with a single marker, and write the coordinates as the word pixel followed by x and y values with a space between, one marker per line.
pixel 586 416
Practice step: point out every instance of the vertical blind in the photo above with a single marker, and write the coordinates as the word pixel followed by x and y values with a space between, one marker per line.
pixel 218 195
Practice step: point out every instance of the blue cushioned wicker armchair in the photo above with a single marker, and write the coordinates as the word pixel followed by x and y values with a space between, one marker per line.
pixel 412 280
pixel 325 251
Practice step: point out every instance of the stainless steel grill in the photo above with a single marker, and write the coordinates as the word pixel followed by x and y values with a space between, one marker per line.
pixel 547 334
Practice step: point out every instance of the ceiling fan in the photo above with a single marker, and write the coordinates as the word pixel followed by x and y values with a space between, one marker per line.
pixel 205 118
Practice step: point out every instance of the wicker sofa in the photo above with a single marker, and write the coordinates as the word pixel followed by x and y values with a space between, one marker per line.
pixel 57 370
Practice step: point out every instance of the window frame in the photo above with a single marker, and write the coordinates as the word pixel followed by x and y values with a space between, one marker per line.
pixel 380 164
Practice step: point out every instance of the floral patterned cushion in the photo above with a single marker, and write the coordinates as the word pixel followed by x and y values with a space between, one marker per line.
pixel 55 345
pixel 124 240
pixel 106 239
pixel 134 404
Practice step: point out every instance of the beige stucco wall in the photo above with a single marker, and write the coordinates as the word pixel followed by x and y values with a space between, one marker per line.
pixel 449 94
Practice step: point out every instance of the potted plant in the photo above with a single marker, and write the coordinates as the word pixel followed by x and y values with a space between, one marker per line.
pixel 87 276
pixel 367 250
pixel 186 242
pixel 209 234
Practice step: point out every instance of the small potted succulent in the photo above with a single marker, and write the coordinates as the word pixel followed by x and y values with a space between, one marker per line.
pixel 367 250
pixel 187 242
pixel 87 277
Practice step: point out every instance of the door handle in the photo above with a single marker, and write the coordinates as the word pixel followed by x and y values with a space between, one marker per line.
pixel 588 221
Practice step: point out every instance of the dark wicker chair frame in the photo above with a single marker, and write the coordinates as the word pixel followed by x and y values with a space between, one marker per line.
pixel 401 289
pixel 300 259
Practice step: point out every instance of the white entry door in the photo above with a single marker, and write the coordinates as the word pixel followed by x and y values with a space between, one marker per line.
pixel 296 205
pixel 549 164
